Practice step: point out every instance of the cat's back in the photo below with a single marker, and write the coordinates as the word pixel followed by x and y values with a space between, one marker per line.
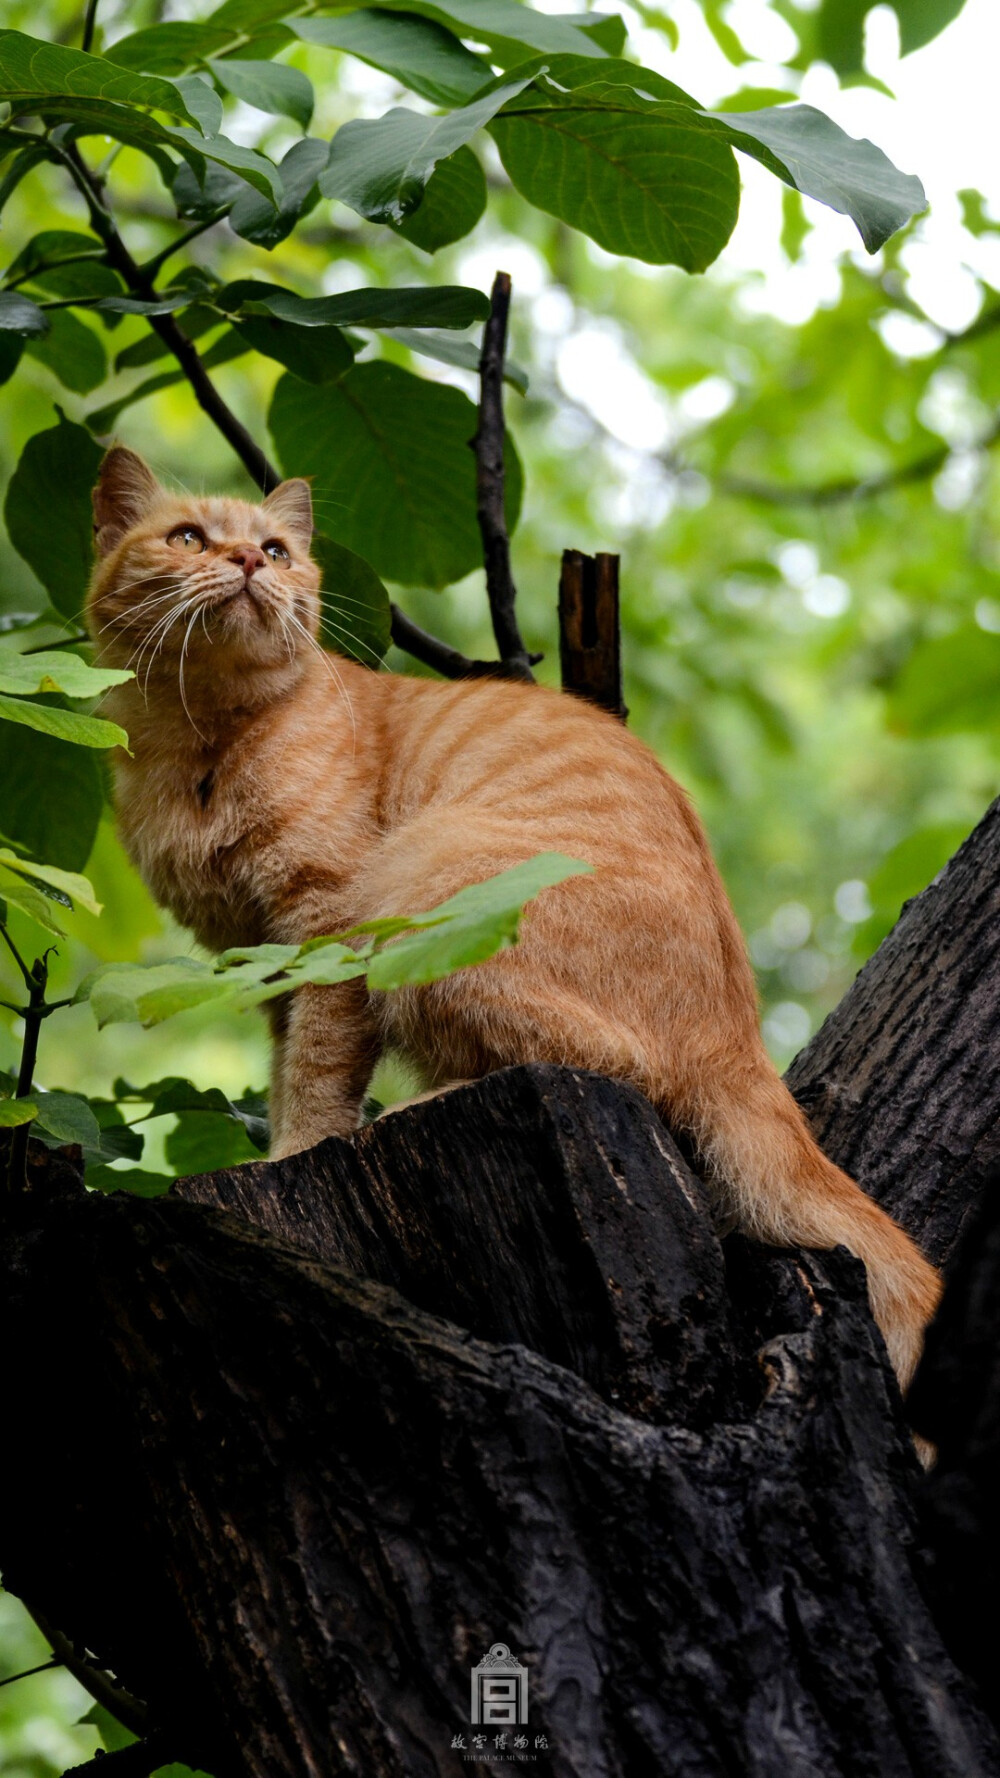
pixel 546 759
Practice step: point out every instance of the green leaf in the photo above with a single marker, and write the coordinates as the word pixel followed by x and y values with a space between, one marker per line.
pixel 72 351
pixel 446 305
pixel 463 353
pixel 508 27
pixel 118 992
pixel 71 886
pixel 416 51
pixel 840 28
pixel 141 305
pixel 471 926
pixel 168 48
pixel 11 347
pixel 52 795
pixel 65 725
pixel 53 245
pixel 268 86
pixel 392 466
pixel 174 1094
pixel 48 510
pixel 23 895
pixel 316 354
pixel 33 72
pixel 254 219
pixel 204 1141
pixel 18 314
pixel 607 30
pixel 68 1118
pixel 640 175
pixel 454 199
pixel 380 167
pixel 53 670
pixel 355 617
pixel 16 1111
pixel 135 1180
pixel 813 154
pixel 102 420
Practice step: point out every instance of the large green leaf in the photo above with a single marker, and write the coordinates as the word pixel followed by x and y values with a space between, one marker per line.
pixel 454 199
pixel 380 167
pixel 355 605
pixel 204 1141
pixel 268 86
pixel 48 510
pixel 316 354
pixel 52 795
pixel 65 725
pixel 472 925
pixel 641 175
pixel 71 351
pixel 446 305
pixel 33 72
pixel 254 219
pixel 16 1111
pixel 419 53
pixel 394 477
pixel 813 154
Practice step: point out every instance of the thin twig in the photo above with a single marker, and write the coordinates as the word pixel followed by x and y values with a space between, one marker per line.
pixel 29 980
pixel 448 661
pixel 89 23
pixel 29 1672
pixel 488 445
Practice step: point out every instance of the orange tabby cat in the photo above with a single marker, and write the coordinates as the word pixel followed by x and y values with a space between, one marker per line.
pixel 277 793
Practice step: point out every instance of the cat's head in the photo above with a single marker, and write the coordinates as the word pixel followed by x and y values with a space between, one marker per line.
pixel 206 583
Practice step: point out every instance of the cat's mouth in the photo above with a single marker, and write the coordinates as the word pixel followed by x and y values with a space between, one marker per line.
pixel 244 594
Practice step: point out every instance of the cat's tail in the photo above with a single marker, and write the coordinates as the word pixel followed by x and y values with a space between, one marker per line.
pixel 782 1189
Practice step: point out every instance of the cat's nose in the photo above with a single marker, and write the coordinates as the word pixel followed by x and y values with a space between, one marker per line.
pixel 249 558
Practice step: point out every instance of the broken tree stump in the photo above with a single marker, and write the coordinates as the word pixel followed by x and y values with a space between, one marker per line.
pixel 320 1433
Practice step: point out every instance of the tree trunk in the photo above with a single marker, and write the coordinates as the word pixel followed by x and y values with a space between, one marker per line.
pixel 321 1433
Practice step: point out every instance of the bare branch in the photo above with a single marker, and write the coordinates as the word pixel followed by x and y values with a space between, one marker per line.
pixel 488 445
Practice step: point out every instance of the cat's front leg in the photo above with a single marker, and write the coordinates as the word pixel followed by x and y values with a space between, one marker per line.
pixel 328 1048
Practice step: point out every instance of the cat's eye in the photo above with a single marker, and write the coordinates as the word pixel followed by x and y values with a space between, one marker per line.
pixel 276 550
pixel 188 538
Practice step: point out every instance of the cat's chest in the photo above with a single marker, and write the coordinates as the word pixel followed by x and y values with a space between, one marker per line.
pixel 199 838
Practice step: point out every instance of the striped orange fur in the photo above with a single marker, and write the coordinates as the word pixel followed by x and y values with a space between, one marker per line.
pixel 277 792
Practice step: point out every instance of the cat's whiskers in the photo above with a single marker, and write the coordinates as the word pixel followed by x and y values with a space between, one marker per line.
pixel 128 617
pixel 349 636
pixel 198 612
pixel 328 664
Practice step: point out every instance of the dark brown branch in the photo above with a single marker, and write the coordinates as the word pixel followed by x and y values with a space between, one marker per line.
pixel 488 445
pixel 590 629
pixel 136 1761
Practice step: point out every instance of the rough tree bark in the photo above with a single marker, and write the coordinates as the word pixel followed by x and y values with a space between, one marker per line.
pixel 319 1433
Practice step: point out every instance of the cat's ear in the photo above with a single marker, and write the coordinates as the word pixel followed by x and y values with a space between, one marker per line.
pixel 291 505
pixel 126 489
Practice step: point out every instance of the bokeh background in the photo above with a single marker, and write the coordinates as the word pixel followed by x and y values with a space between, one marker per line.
pixel 792 454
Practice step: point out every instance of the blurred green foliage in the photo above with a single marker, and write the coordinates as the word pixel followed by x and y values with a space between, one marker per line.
pixel 805 514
